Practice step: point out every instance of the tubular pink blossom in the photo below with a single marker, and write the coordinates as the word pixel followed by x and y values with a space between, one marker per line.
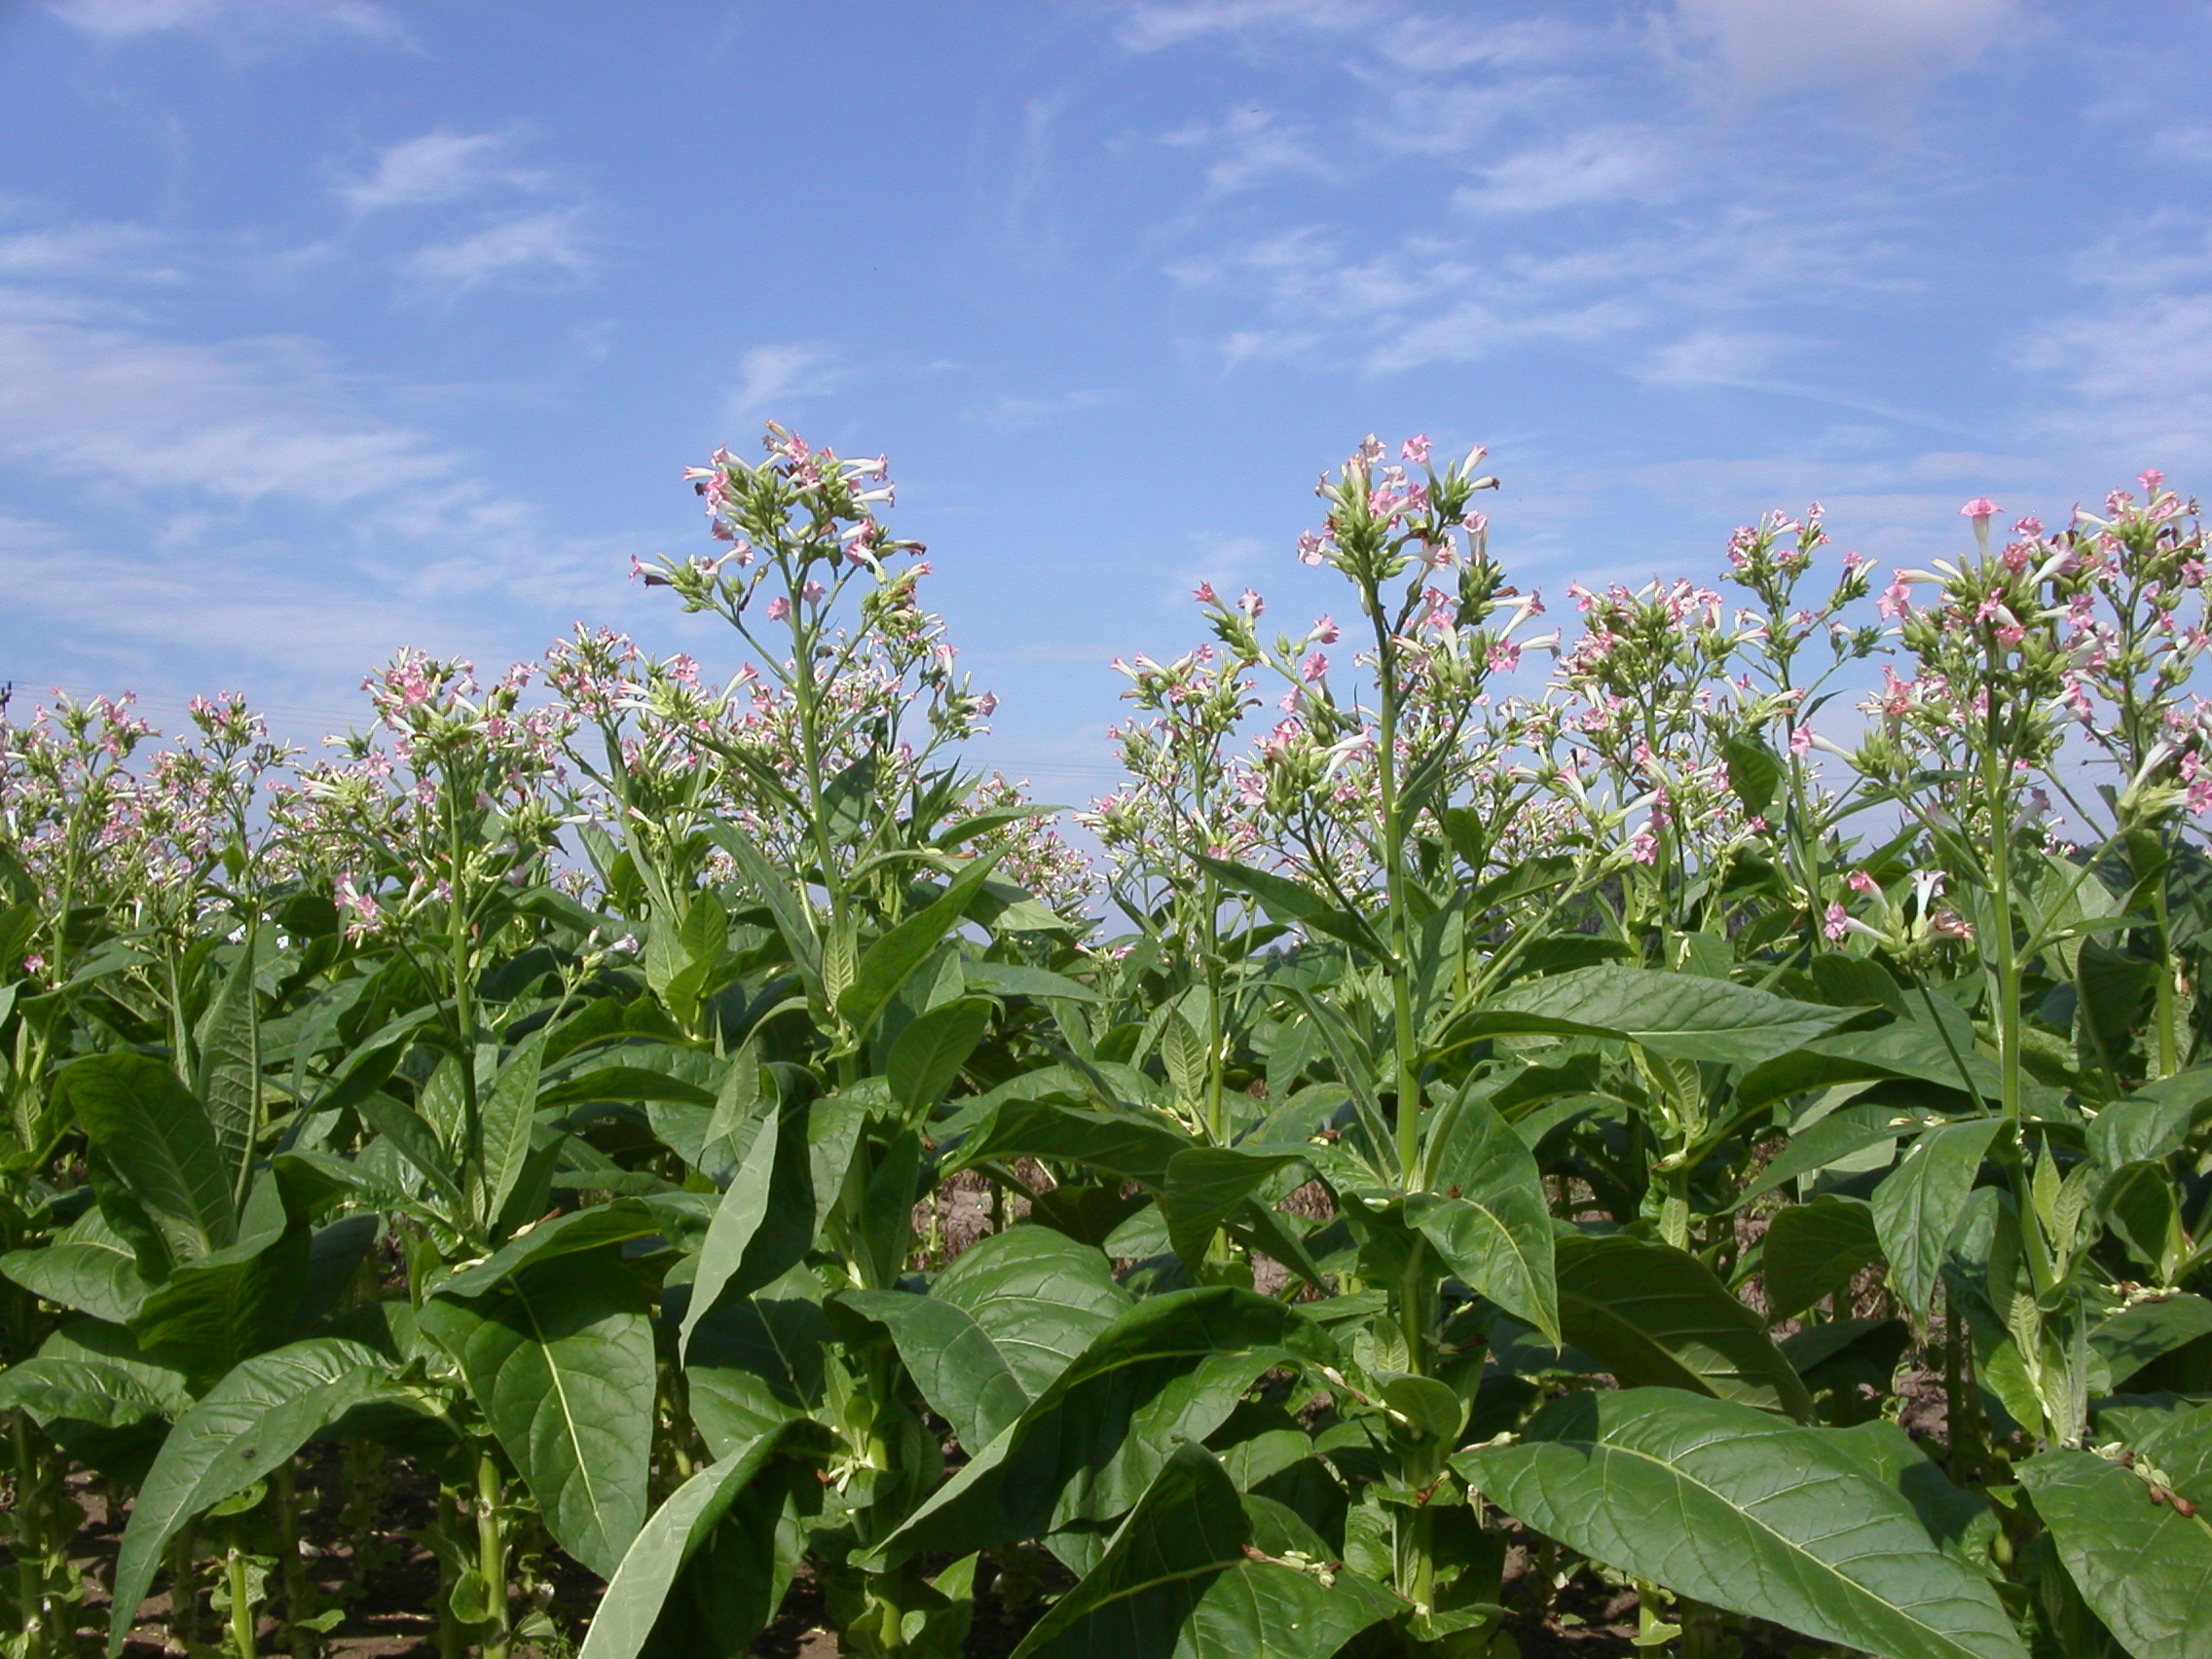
pixel 1981 509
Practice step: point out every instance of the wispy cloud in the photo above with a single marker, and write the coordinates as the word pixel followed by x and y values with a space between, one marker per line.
pixel 440 167
pixel 1887 46
pixel 521 247
pixel 772 377
pixel 1603 164
pixel 247 23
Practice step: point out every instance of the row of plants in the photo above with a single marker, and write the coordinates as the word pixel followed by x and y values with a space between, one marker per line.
pixel 1719 1124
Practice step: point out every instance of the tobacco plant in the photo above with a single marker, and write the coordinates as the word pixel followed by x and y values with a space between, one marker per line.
pixel 1699 1121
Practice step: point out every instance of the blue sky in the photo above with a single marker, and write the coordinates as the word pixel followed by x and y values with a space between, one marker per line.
pixel 332 326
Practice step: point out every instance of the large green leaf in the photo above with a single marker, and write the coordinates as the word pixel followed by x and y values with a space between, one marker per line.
pixel 158 1142
pixel 1120 1144
pixel 998 1325
pixel 890 959
pixel 246 1424
pixel 213 1313
pixel 559 1357
pixel 1177 1582
pixel 616 1222
pixel 1652 1315
pixel 229 1074
pixel 88 1265
pixel 1682 1015
pixel 1485 1212
pixel 1289 900
pixel 764 1223
pixel 1815 1250
pixel 509 1111
pixel 1205 1187
pixel 1725 1505
pixel 930 1053
pixel 1170 1369
pixel 756 1361
pixel 2143 1566
pixel 647 1602
pixel 1919 1203
pixel 1902 1049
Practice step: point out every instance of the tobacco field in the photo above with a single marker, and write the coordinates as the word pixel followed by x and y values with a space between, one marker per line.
pixel 1681 1123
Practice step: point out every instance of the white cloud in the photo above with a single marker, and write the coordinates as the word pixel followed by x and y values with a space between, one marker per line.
pixel 439 166
pixel 237 422
pixel 1253 147
pixel 550 241
pixel 1600 165
pixel 773 376
pixel 1155 28
pixel 83 250
pixel 239 22
pixel 1895 45
pixel 1715 356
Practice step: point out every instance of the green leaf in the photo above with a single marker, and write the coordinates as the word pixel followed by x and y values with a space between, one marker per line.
pixel 1835 1137
pixel 415 1141
pixel 786 899
pixel 1204 1187
pixel 1486 1214
pixel 1919 1203
pixel 647 1598
pixel 88 1265
pixel 1755 772
pixel 1727 1505
pixel 1120 1144
pixel 1289 900
pixel 1653 1314
pixel 907 946
pixel 1016 980
pixel 930 1053
pixel 764 1223
pixel 1170 1369
pixel 757 1361
pixel 1904 1049
pixel 2149 1330
pixel 1814 1250
pixel 212 1313
pixel 1682 1015
pixel 158 1140
pixel 616 1222
pixel 508 1114
pixel 998 1325
pixel 250 1422
pixel 1176 1583
pixel 2152 1123
pixel 2143 1567
pixel 229 1075
pixel 559 1357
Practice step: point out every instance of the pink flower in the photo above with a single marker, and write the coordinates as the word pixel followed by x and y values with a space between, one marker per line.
pixel 1896 599
pixel 2151 480
pixel 1308 547
pixel 1474 523
pixel 1643 847
pixel 1415 449
pixel 1838 923
pixel 779 607
pixel 1859 882
pixel 1800 740
pixel 1981 509
pixel 1326 631
pixel 812 592
pixel 1250 603
pixel 1204 593
pixel 1314 668
pixel 987 704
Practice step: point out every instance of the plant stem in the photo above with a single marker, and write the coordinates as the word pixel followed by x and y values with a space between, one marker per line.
pixel 491 1553
pixel 237 1568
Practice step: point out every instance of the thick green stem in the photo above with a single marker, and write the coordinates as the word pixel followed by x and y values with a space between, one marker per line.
pixel 239 1582
pixel 492 1554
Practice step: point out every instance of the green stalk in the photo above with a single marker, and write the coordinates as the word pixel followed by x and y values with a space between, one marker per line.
pixel 491 1553
pixel 1395 888
pixel 450 1643
pixel 241 1605
pixel 299 1589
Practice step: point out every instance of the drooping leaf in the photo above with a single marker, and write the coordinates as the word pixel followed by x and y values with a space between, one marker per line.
pixel 1485 1212
pixel 213 1313
pixel 1920 1202
pixel 616 1222
pixel 158 1140
pixel 1685 1016
pixel 1814 1250
pixel 998 1325
pixel 1904 1049
pixel 890 959
pixel 1838 1135
pixel 2149 1330
pixel 1204 1187
pixel 930 1053
pixel 1169 1369
pixel 1120 1144
pixel 508 1112
pixel 2143 1566
pixel 1176 1583
pixel 649 1606
pixel 764 1223
pixel 251 1420
pixel 559 1357
pixel 757 1361
pixel 88 1265
pixel 229 1074
pixel 1735 1509
pixel 1653 1314
pixel 1290 900
pixel 1019 979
